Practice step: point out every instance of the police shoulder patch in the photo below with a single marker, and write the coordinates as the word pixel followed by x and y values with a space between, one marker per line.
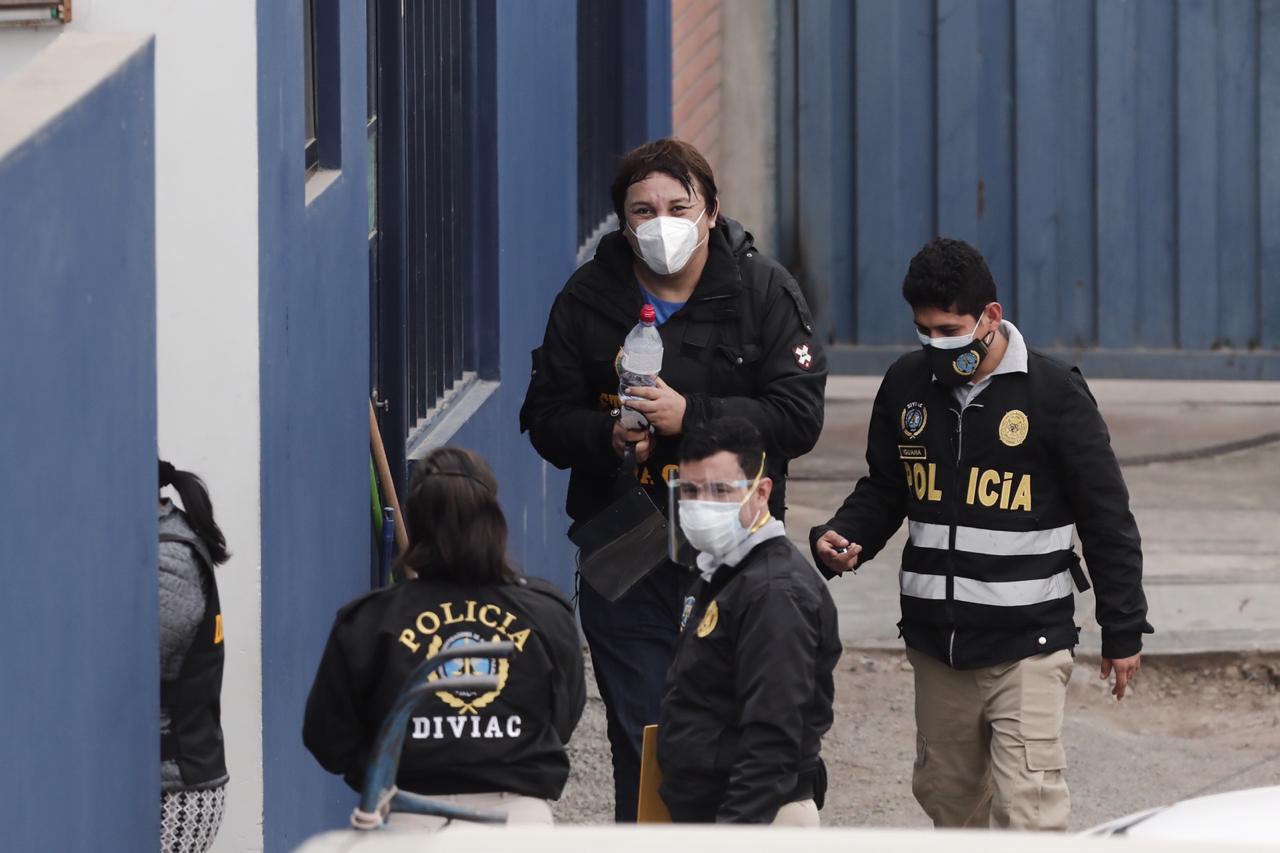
pixel 804 358
pixel 913 419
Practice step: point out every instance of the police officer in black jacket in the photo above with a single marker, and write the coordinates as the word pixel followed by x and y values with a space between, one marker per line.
pixel 738 340
pixel 502 750
pixel 994 453
pixel 750 693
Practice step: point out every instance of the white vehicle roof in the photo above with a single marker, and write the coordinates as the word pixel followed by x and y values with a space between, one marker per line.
pixel 704 839
pixel 1251 816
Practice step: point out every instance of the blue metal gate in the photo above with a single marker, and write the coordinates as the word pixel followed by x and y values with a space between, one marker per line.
pixel 1116 161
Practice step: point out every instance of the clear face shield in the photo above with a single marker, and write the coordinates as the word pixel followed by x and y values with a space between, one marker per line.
pixel 705 517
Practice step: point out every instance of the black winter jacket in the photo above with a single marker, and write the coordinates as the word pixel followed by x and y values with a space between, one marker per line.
pixel 742 345
pixel 512 739
pixel 991 493
pixel 750 693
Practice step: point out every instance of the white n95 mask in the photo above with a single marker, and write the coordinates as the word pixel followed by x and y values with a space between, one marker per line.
pixel 665 243
pixel 712 527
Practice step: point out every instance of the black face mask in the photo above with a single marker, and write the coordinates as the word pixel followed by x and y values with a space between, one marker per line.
pixel 957 360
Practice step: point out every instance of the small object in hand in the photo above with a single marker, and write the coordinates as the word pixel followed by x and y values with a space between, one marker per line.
pixel 842 550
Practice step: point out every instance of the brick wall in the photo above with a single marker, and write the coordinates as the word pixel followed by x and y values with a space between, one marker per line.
pixel 697 37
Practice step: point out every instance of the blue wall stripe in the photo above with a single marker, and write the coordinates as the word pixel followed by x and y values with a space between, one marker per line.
pixel 826 220
pixel 1156 276
pixel 1197 168
pixel 1073 106
pixel 996 166
pixel 1036 131
pixel 1269 173
pixel 959 127
pixel 1237 179
pixel 79 625
pixel 1118 212
pixel 895 156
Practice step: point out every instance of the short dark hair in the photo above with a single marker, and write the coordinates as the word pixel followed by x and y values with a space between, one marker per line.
pixel 669 156
pixel 456 528
pixel 949 275
pixel 737 435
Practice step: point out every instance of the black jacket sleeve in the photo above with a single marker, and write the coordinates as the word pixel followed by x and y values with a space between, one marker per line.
pixel 562 417
pixel 774 662
pixel 1100 501
pixel 874 510
pixel 788 407
pixel 333 729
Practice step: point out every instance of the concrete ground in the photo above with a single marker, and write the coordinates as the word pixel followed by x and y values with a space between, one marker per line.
pixel 1202 460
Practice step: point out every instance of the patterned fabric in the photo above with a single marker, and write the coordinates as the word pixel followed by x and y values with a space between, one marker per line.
pixel 189 820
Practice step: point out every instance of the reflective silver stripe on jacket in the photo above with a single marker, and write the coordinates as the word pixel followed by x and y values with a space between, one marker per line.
pixel 994 593
pixel 996 543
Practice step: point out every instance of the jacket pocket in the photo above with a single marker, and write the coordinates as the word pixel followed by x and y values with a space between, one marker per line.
pixel 1046 755
pixel 741 356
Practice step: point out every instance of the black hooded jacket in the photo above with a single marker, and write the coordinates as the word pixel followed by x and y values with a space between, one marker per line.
pixel 512 739
pixel 743 345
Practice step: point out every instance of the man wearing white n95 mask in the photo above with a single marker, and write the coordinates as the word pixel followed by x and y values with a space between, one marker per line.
pixel 749 695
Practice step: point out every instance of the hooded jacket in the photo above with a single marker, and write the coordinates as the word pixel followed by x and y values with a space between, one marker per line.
pixel 512 739
pixel 743 345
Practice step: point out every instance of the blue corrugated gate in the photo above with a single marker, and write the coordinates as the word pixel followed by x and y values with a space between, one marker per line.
pixel 1116 161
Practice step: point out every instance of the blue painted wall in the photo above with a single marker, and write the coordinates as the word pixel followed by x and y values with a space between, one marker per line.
pixel 314 336
pixel 534 169
pixel 1118 163
pixel 78 618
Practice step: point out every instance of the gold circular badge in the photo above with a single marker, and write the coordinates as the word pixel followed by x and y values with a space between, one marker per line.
pixel 709 620
pixel 1013 428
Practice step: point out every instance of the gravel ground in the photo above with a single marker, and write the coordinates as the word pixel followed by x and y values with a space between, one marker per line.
pixel 1191 725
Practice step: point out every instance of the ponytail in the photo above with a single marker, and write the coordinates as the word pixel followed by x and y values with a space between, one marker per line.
pixel 198 509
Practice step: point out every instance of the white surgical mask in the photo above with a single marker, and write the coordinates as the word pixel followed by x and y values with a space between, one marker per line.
pixel 715 527
pixel 955 342
pixel 667 242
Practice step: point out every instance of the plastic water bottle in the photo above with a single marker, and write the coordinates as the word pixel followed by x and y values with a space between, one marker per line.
pixel 639 364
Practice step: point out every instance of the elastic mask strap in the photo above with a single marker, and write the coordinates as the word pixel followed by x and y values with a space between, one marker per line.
pixel 765 516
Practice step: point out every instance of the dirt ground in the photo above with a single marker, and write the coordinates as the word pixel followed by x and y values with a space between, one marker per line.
pixel 1190 726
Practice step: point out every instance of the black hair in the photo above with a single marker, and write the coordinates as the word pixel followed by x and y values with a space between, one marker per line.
pixel 737 435
pixel 456 528
pixel 949 275
pixel 198 509
pixel 669 156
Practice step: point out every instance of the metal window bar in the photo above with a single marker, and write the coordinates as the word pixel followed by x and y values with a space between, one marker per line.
pixel 441 129
pixel 601 124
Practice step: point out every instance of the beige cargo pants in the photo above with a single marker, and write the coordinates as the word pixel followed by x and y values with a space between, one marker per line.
pixel 989 743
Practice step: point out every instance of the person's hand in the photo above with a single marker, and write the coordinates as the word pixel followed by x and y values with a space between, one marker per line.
pixel 1125 669
pixel 641 438
pixel 837 553
pixel 662 405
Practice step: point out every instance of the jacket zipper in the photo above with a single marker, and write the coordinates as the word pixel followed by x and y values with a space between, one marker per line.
pixel 955 520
